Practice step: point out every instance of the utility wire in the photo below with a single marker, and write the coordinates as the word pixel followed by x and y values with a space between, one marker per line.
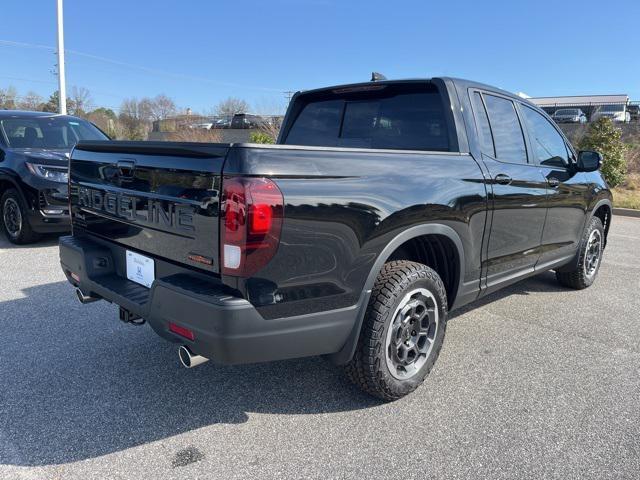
pixel 154 71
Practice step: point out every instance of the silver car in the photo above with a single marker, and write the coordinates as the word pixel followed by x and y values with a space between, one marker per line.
pixel 569 115
pixel 616 112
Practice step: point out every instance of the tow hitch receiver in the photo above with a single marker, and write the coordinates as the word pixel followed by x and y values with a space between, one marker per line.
pixel 127 317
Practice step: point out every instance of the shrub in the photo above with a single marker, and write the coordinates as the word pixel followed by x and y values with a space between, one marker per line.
pixel 261 137
pixel 605 138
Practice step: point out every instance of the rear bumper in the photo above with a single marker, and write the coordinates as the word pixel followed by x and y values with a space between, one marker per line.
pixel 227 329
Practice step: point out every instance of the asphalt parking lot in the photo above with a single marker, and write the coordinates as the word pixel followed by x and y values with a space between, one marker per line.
pixel 533 382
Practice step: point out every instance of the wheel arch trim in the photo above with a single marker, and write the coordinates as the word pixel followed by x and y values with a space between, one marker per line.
pixel 347 351
pixel 573 263
pixel 603 202
pixel 4 177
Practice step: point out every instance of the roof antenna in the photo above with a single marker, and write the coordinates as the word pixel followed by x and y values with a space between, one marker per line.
pixel 377 77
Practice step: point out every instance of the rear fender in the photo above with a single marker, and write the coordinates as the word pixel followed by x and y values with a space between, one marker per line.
pixel 346 353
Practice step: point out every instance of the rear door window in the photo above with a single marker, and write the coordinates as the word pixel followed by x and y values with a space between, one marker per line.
pixel 391 118
pixel 507 132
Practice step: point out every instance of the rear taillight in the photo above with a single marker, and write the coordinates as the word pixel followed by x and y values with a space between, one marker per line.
pixel 250 225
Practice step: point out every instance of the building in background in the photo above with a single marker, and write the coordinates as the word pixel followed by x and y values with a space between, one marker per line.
pixel 615 107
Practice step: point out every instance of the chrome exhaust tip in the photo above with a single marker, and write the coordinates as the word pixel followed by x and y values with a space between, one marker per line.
pixel 84 299
pixel 188 359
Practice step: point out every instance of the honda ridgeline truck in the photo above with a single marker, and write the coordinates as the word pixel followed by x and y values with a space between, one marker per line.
pixel 382 207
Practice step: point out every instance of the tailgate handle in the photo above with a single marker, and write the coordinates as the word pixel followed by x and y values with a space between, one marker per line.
pixel 126 168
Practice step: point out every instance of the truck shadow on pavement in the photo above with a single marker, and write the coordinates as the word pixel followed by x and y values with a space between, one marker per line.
pixel 78 384
pixel 544 282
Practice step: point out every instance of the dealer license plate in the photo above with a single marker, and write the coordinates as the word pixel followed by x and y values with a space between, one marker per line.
pixel 140 269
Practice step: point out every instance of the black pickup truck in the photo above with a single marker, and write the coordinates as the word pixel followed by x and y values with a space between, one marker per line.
pixel 384 206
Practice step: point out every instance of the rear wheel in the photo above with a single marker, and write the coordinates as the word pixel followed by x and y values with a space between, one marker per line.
pixel 402 333
pixel 15 221
pixel 583 274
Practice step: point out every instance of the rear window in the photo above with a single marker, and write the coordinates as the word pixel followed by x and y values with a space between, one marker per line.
pixel 394 117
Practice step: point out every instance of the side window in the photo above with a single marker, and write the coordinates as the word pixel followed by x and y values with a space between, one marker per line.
pixel 507 132
pixel 482 123
pixel 548 145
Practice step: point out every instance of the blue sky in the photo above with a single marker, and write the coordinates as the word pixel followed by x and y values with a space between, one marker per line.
pixel 199 52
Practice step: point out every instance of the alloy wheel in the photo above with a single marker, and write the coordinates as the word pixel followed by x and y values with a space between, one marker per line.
pixel 12 217
pixel 593 253
pixel 412 333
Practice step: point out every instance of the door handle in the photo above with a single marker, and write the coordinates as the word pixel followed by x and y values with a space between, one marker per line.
pixel 503 179
pixel 553 182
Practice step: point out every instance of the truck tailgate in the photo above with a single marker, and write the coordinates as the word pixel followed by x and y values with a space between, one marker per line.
pixel 160 198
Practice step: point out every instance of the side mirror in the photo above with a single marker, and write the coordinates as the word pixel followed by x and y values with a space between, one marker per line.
pixel 588 161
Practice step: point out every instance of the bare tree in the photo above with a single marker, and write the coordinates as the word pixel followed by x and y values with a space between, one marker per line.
pixel 31 101
pixel 231 106
pixel 8 98
pixel 80 100
pixel 144 109
pixel 161 107
pixel 135 119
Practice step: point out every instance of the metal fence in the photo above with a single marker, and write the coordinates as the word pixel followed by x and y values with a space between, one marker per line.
pixel 628 112
pixel 214 122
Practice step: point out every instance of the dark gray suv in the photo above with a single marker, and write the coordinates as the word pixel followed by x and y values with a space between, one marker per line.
pixel 34 158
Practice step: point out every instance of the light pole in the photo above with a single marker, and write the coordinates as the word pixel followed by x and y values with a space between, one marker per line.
pixel 62 90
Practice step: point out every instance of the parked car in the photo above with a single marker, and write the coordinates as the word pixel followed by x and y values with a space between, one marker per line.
pixel 569 115
pixel 384 206
pixel 634 112
pixel 202 126
pixel 617 113
pixel 34 156
pixel 220 123
pixel 247 120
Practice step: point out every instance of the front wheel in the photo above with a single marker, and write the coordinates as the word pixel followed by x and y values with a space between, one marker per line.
pixel 402 333
pixel 15 219
pixel 583 274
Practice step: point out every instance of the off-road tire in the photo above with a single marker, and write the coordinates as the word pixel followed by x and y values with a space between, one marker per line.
pixel 368 368
pixel 575 277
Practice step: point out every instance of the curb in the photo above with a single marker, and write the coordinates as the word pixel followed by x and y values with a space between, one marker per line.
pixel 627 212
